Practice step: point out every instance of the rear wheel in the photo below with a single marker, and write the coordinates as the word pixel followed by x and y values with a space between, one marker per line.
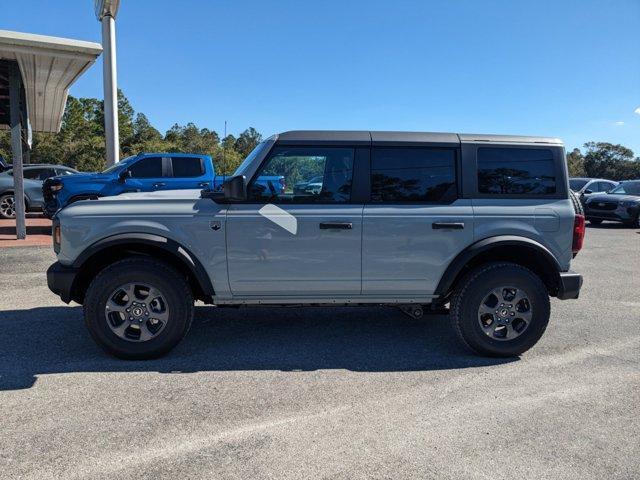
pixel 138 308
pixel 500 309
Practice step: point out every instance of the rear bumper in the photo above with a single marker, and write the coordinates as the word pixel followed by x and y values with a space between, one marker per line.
pixel 570 284
pixel 60 280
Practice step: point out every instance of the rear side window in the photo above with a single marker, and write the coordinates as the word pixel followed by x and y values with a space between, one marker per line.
pixel 516 171
pixel 413 175
pixel 187 166
pixel 149 167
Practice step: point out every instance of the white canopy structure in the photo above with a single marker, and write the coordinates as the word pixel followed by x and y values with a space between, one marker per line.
pixel 49 65
pixel 36 72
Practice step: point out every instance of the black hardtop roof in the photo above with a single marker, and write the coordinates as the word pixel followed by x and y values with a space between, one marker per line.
pixel 380 137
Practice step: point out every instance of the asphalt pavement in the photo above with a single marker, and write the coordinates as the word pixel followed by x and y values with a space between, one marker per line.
pixel 340 393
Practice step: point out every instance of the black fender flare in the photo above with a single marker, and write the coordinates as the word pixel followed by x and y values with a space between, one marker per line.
pixel 171 246
pixel 481 246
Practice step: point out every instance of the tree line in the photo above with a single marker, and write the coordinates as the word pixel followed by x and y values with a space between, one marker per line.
pixel 80 143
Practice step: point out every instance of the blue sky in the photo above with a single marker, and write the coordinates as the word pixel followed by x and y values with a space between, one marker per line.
pixel 567 68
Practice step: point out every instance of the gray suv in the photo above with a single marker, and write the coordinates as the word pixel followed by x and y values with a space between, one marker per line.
pixel 482 225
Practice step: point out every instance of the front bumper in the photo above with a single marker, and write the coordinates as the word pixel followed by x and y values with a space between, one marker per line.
pixel 60 280
pixel 620 214
pixel 570 284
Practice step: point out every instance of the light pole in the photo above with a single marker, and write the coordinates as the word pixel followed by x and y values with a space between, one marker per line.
pixel 106 11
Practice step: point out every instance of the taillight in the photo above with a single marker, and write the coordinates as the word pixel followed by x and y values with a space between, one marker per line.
pixel 578 234
pixel 283 184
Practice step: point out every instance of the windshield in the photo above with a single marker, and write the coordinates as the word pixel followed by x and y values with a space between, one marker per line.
pixel 114 167
pixel 627 188
pixel 252 156
pixel 576 184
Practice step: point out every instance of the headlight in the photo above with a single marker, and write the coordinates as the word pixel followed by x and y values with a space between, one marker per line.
pixel 627 203
pixel 56 187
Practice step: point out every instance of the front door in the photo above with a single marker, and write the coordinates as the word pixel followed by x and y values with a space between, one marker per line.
pixel 414 225
pixel 297 241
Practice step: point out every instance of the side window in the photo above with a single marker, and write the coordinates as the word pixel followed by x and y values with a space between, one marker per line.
pixel 148 167
pixel 34 173
pixel 304 175
pixel 516 171
pixel 62 171
pixel 46 173
pixel 413 175
pixel 605 186
pixel 187 166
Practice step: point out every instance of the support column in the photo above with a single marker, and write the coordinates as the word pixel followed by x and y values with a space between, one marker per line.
pixel 15 82
pixel 110 90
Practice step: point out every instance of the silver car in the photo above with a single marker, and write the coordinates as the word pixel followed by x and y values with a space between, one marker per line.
pixel 34 175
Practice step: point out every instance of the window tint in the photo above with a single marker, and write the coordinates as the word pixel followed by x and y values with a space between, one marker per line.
pixel 516 171
pixel 413 174
pixel 305 175
pixel 187 167
pixel 604 186
pixel 149 167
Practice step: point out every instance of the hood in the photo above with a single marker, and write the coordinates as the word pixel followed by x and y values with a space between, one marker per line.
pixel 84 177
pixel 607 197
pixel 159 195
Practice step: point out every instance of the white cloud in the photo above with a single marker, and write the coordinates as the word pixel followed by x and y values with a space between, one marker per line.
pixel 618 123
pixel 637 110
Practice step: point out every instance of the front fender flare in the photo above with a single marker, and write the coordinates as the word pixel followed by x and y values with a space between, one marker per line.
pixel 167 244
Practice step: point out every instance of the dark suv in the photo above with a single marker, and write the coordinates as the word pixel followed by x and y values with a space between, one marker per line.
pixel 622 204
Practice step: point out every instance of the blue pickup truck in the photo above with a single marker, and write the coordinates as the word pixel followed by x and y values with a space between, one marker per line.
pixel 145 172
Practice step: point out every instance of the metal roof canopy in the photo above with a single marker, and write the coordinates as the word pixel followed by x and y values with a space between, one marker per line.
pixel 48 66
pixel 35 75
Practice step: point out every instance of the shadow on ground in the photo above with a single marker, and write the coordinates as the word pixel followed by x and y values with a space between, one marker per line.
pixel 362 339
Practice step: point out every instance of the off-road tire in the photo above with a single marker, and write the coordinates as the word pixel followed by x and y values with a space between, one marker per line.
pixel 471 291
pixel 155 273
pixel 577 205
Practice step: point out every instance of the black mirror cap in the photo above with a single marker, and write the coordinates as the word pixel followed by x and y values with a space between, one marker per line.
pixel 235 189
pixel 588 192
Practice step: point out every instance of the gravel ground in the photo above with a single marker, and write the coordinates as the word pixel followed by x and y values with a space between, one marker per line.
pixel 340 393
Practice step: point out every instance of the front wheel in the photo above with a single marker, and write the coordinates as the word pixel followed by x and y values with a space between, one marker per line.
pixel 7 206
pixel 500 310
pixel 138 308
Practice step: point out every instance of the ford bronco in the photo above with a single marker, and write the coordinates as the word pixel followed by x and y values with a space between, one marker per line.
pixel 482 225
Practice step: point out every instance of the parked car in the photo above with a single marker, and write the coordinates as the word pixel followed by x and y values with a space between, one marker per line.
pixel 4 165
pixel 622 204
pixel 34 174
pixel 310 187
pixel 420 220
pixel 585 187
pixel 139 173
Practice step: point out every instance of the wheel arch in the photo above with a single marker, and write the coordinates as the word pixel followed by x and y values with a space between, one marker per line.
pixel 116 247
pixel 27 200
pixel 510 248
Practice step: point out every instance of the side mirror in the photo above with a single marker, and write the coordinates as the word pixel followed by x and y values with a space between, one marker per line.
pixel 588 192
pixel 235 189
pixel 123 175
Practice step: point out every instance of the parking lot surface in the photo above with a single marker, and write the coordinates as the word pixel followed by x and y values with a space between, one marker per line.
pixel 325 393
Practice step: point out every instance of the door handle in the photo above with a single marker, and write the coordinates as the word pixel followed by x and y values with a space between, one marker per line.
pixel 159 184
pixel 447 225
pixel 335 226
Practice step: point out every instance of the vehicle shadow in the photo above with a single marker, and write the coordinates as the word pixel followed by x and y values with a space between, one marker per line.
pixel 610 225
pixel 363 339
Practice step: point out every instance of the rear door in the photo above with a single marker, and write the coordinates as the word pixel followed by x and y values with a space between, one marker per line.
pixel 414 224
pixel 298 243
